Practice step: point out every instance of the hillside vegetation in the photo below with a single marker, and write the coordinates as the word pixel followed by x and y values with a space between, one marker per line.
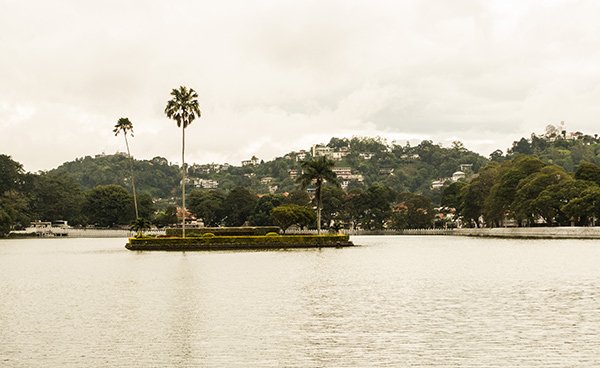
pixel 547 179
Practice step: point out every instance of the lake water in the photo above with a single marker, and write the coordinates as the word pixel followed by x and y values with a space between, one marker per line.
pixel 391 302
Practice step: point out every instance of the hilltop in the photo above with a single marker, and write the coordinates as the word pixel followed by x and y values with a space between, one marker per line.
pixel 548 178
pixel 359 162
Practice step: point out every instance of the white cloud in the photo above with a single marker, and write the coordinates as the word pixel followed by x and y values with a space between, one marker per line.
pixel 275 76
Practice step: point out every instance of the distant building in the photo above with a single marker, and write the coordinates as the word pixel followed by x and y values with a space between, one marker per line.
pixel 366 155
pixel 267 180
pixel 301 155
pixel 251 162
pixel 319 150
pixel 438 184
pixel 466 168
pixel 293 174
pixel 340 153
pixel 458 175
pixel 203 183
pixel 345 173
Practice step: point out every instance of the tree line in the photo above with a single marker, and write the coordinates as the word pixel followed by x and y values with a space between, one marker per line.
pixel 525 191
pixel 555 182
pixel 373 208
pixel 28 197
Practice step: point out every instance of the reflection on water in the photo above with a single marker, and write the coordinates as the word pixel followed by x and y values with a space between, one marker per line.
pixel 393 302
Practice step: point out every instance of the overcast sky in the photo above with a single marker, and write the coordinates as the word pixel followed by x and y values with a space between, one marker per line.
pixel 276 76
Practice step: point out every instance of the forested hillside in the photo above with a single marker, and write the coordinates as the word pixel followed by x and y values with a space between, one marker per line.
pixel 371 160
pixel 545 180
pixel 156 177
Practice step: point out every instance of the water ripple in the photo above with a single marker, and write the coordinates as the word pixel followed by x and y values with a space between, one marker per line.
pixel 394 302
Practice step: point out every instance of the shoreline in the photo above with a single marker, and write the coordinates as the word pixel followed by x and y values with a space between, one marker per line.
pixel 571 232
pixel 574 232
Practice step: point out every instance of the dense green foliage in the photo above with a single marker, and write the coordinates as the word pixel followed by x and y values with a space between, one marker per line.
pixel 109 205
pixel 524 191
pixel 54 197
pixel 156 176
pixel 402 168
pixel 553 179
pixel 238 242
pixel 292 214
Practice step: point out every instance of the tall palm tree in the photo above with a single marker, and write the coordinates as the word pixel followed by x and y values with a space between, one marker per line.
pixel 184 109
pixel 317 171
pixel 125 126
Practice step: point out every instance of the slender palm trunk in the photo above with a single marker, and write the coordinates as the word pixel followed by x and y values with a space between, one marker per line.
pixel 135 205
pixel 183 178
pixel 319 199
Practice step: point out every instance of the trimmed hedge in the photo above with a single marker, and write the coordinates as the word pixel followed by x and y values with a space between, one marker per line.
pixel 239 242
pixel 224 231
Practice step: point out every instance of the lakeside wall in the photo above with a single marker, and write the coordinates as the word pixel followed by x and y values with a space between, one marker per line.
pixel 86 233
pixel 574 232
pixel 534 232
pixel 501 232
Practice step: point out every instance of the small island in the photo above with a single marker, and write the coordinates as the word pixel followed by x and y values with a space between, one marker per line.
pixel 235 238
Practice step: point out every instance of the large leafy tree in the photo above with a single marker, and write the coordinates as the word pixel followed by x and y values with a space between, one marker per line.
pixel 146 206
pixel 333 203
pixel 208 205
pixel 11 174
pixel 126 127
pixel 13 211
pixel 291 214
pixel 238 206
pixel 109 205
pixel 585 209
pixel 588 171
pixel 13 203
pixel 317 172
pixel 55 197
pixel 552 200
pixel 452 195
pixel 412 211
pixel 529 188
pixel 184 109
pixel 299 197
pixel 261 215
pixel 475 194
pixel 371 208
pixel 502 194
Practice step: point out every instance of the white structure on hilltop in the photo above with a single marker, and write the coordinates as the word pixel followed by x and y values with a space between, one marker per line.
pixel 345 176
pixel 457 176
pixel 466 171
pixel 267 180
pixel 203 183
pixel 251 162
pixel 320 150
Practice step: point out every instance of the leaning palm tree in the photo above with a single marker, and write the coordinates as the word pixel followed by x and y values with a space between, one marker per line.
pixel 183 108
pixel 317 171
pixel 125 126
